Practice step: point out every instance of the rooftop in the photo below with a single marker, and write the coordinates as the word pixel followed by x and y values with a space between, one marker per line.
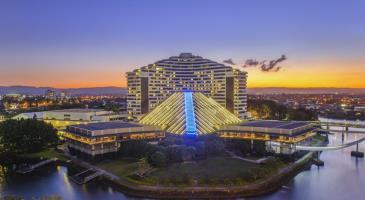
pixel 186 55
pixel 275 124
pixel 77 110
pixel 106 125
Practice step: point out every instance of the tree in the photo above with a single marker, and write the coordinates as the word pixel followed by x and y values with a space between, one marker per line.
pixel 138 149
pixel 111 107
pixel 158 159
pixel 214 145
pixel 266 109
pixel 26 136
pixel 12 198
pixel 238 146
pixel 259 147
pixel 301 114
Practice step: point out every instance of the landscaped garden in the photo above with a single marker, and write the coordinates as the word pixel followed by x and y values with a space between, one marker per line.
pixel 208 172
pixel 203 161
pixel 206 161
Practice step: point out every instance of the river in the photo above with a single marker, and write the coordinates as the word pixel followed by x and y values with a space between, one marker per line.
pixel 342 177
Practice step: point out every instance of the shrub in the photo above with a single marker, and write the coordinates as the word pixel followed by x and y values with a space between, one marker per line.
pixel 137 149
pixel 158 159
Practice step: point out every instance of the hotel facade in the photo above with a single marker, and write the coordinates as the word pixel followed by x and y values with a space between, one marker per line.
pixel 187 95
pixel 150 85
pixel 106 137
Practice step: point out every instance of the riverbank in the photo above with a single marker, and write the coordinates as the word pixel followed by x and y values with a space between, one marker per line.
pixel 162 192
pixel 314 183
pixel 158 191
pixel 258 188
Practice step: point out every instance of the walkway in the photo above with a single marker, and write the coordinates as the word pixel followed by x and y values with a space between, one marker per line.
pixel 86 176
pixel 35 166
pixel 88 165
pixel 326 148
pixel 340 131
pixel 258 161
pixel 344 123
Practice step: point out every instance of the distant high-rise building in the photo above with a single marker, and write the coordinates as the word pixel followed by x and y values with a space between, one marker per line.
pixel 148 86
pixel 64 95
pixel 50 94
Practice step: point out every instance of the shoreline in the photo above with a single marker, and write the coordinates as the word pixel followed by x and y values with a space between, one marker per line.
pixel 259 188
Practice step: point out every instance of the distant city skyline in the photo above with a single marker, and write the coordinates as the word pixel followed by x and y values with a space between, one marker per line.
pixel 69 44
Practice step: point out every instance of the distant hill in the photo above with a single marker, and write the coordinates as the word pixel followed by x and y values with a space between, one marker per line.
pixel 280 90
pixel 29 90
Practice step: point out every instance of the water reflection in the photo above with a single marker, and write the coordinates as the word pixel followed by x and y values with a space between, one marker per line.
pixel 53 180
pixel 342 177
pixel 2 177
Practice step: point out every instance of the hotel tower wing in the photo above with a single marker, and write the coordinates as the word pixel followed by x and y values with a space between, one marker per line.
pixel 150 85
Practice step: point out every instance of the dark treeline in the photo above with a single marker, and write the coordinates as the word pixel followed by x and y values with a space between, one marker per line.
pixel 351 115
pixel 267 109
pixel 25 136
pixel 174 149
pixel 180 149
pixel 245 147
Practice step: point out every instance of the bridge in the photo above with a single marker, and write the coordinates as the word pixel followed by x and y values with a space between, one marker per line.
pixel 340 131
pixel 345 124
pixel 327 148
pixel 340 123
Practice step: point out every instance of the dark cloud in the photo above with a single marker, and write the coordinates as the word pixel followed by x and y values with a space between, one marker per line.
pixel 251 63
pixel 229 61
pixel 270 66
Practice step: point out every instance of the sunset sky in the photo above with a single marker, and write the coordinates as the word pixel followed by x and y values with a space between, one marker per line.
pixel 93 43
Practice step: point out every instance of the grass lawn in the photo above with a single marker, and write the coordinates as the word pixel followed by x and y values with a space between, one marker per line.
pixel 46 154
pixel 121 167
pixel 318 140
pixel 210 172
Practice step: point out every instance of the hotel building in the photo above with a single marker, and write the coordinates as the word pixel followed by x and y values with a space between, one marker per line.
pixel 280 137
pixel 106 137
pixel 62 118
pixel 187 95
pixel 187 114
pixel 150 85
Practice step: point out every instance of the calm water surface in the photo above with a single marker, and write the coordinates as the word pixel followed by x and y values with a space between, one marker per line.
pixel 342 177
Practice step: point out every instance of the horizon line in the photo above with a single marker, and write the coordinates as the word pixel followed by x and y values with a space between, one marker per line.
pixel 123 87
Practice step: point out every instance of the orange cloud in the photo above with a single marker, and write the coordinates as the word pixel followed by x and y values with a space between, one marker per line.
pixel 314 73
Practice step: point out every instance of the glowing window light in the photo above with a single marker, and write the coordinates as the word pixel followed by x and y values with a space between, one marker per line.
pixel 189 114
